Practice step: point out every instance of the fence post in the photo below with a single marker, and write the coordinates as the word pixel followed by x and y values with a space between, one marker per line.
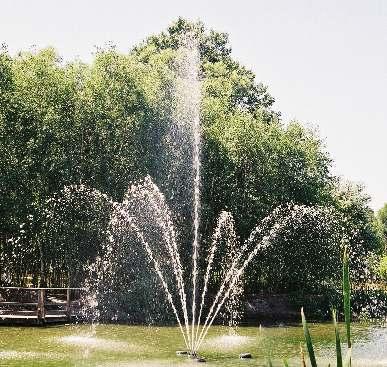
pixel 68 304
pixel 41 313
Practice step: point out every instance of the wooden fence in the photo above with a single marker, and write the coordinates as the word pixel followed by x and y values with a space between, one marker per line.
pixel 39 305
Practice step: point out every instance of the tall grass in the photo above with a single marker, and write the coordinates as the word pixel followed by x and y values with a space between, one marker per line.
pixel 340 362
pixel 339 358
pixel 347 296
pixel 308 340
pixel 347 317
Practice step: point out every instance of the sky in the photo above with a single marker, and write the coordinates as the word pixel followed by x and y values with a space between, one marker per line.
pixel 325 61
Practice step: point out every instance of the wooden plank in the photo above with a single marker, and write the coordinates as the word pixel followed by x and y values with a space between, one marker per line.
pixel 62 304
pixel 18 303
pixel 13 316
pixel 47 289
pixel 59 316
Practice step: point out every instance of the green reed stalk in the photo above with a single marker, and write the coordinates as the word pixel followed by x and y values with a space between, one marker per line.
pixel 308 339
pixel 347 296
pixel 339 358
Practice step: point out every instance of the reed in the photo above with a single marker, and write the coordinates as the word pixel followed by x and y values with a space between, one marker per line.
pixel 347 318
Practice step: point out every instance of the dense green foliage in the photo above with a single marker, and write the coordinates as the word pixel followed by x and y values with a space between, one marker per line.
pixel 383 268
pixel 382 218
pixel 101 125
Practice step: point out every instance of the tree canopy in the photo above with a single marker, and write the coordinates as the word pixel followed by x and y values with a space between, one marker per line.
pixel 101 125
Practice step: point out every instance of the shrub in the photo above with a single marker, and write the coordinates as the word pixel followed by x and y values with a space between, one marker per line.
pixel 383 268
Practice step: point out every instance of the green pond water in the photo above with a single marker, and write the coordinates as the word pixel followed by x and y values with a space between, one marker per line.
pixel 121 346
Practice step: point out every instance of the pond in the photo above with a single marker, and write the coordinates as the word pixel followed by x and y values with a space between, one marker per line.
pixel 126 346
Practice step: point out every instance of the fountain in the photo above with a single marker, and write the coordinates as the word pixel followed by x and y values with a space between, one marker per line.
pixel 147 218
pixel 145 215
pixel 202 279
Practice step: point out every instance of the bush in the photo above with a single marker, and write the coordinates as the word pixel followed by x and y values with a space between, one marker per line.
pixel 383 268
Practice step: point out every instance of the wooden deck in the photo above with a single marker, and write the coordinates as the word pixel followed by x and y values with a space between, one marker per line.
pixel 39 306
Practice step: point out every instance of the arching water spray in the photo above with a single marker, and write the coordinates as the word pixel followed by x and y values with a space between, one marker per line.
pixel 146 214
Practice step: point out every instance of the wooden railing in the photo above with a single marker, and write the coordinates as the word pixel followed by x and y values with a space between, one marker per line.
pixel 42 304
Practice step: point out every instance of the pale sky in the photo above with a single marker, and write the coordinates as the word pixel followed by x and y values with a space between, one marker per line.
pixel 324 61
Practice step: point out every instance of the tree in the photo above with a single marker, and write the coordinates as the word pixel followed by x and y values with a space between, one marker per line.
pixel 106 124
pixel 252 167
pixel 35 132
pixel 358 219
pixel 224 78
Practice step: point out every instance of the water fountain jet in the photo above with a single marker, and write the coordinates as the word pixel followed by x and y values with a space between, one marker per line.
pixel 145 213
